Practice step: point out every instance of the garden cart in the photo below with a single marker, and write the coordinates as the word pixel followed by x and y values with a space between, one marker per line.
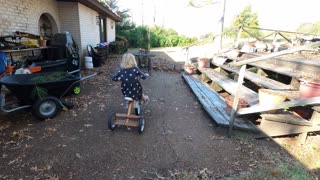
pixel 42 92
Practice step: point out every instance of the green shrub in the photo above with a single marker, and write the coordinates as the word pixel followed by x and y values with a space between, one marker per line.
pixel 155 36
pixel 119 46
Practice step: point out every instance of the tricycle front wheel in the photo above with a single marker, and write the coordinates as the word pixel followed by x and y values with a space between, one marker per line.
pixel 47 107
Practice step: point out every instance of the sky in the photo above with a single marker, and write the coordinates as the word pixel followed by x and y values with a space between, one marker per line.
pixel 176 14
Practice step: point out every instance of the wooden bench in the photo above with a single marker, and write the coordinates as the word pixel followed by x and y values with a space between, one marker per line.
pixel 230 85
pixel 260 80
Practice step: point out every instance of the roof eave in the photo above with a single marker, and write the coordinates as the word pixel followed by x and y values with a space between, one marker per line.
pixel 97 6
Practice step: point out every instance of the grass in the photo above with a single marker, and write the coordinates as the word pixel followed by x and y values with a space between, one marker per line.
pixel 308 156
pixel 279 170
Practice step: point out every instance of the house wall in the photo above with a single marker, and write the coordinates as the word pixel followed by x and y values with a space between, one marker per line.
pixel 111 30
pixel 77 19
pixel 89 28
pixel 69 13
pixel 24 15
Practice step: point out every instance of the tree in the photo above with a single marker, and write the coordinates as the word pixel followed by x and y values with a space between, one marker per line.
pixel 201 3
pixel 122 28
pixel 247 18
pixel 309 28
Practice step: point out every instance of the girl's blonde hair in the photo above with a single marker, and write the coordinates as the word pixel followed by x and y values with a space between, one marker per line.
pixel 128 61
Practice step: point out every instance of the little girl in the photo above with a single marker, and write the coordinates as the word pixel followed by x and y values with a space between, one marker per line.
pixel 129 75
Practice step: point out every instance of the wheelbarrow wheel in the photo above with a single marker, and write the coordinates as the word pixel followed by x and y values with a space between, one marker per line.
pixel 47 107
pixel 111 124
pixel 141 125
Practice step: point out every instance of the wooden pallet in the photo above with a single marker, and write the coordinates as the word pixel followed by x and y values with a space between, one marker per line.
pixel 274 125
pixel 214 105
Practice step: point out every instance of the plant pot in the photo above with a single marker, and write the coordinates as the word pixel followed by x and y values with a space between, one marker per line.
pixel 309 88
pixel 202 62
pixel 189 70
pixel 42 43
pixel 268 97
pixel 219 60
pixel 229 102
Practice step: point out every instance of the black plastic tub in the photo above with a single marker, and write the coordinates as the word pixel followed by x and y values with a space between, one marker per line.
pixel 28 87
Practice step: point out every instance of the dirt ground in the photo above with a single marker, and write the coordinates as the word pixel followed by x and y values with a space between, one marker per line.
pixel 180 140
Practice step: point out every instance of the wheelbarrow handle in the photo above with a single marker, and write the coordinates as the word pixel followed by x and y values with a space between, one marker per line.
pixel 75 71
pixel 81 79
pixel 90 76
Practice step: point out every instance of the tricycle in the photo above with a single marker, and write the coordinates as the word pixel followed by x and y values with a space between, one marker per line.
pixel 42 92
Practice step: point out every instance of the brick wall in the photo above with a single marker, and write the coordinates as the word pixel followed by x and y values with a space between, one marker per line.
pixel 79 20
pixel 24 15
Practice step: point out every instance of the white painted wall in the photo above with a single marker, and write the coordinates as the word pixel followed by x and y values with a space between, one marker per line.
pixel 111 30
pixel 89 28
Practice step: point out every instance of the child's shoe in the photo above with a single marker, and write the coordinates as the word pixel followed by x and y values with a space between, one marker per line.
pixel 146 99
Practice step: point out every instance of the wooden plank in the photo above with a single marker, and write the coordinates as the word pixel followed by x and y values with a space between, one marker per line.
pixel 287 66
pixel 315 118
pixel 214 105
pixel 260 80
pixel 316 108
pixel 230 85
pixel 299 61
pixel 258 108
pixel 236 99
pixel 206 102
pixel 279 69
pixel 275 54
pixel 286 118
pixel 125 123
pixel 274 129
pixel 128 116
pixel 219 103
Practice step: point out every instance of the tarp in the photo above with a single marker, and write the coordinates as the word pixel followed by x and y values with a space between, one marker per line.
pixel 3 62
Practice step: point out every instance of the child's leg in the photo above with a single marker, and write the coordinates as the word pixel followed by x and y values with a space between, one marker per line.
pixel 145 98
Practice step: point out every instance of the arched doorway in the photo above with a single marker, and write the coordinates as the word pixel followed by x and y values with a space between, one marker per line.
pixel 47 25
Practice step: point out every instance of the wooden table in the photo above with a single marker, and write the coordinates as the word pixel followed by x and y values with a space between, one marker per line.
pixel 148 56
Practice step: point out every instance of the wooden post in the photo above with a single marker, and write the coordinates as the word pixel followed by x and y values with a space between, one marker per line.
pixel 275 38
pixel 251 34
pixel 294 83
pixel 285 38
pixel 238 38
pixel 236 99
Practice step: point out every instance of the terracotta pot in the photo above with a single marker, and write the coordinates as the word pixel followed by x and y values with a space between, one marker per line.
pixel 229 102
pixel 202 62
pixel 189 70
pixel 268 97
pixel 42 43
pixel 309 89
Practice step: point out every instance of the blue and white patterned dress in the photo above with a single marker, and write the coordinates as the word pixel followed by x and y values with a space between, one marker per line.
pixel 130 84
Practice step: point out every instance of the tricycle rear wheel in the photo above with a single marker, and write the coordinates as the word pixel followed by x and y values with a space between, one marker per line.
pixel 111 120
pixel 47 107
pixel 141 124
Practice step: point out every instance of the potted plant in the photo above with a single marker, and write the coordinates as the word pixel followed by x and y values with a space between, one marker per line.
pixel 189 68
pixel 229 102
pixel 202 62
